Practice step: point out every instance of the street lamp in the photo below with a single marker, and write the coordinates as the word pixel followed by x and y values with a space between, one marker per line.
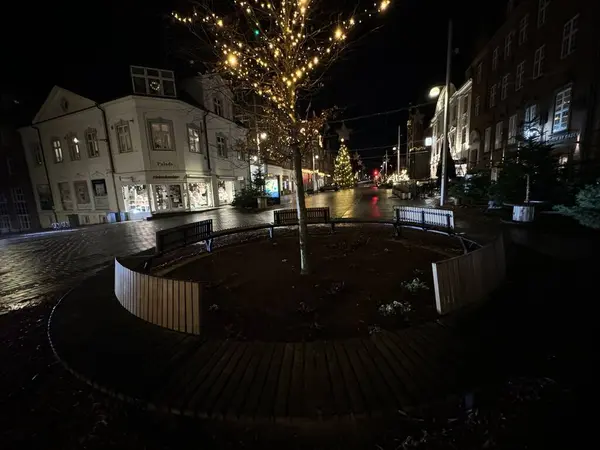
pixel 76 140
pixel 435 92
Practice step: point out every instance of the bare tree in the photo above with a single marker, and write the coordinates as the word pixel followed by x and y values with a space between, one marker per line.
pixel 278 50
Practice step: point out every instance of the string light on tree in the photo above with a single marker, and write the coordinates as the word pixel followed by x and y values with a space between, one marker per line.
pixel 276 49
pixel 342 172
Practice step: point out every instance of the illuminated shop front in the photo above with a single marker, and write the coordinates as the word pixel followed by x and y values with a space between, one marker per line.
pixel 137 200
pixel 200 194
pixel 226 191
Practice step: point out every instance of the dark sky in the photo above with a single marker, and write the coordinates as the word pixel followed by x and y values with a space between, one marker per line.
pixel 78 45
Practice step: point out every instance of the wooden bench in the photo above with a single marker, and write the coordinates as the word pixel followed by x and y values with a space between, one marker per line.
pixel 289 217
pixel 425 217
pixel 178 237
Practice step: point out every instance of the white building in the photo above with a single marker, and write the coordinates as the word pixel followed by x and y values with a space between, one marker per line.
pixel 142 154
pixel 458 130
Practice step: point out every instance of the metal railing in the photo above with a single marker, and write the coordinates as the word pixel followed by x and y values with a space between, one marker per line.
pixel 425 217
pixel 290 216
pixel 174 238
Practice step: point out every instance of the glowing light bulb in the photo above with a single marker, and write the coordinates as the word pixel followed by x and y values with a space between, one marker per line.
pixel 339 33
pixel 316 60
pixel 232 60
pixel 220 23
pixel 384 4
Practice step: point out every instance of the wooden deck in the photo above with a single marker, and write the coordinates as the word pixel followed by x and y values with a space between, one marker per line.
pixel 100 342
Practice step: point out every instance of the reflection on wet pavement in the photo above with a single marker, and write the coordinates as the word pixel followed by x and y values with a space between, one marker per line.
pixel 34 266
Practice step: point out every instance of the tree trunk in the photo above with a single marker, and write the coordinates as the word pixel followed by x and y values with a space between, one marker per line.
pixel 301 208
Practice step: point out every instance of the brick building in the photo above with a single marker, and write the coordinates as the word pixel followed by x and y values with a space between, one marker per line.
pixel 539 75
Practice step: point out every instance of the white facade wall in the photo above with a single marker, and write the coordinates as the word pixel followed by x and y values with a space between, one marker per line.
pixel 156 175
pixel 458 130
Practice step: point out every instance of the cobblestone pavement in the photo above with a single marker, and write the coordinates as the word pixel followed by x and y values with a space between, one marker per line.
pixel 34 266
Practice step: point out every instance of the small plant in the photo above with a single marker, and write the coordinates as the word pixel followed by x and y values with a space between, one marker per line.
pixel 390 309
pixel 374 329
pixel 213 307
pixel 305 309
pixel 415 285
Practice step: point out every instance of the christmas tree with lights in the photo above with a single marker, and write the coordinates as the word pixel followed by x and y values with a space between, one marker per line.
pixel 342 171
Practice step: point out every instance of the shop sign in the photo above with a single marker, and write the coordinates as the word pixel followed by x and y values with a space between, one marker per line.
pixel 164 164
pixel 166 177
pixel 562 137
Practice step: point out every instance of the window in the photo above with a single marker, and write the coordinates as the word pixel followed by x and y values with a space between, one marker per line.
pixel 45 197
pixel 57 150
pixel 194 139
pixel 498 136
pixel 479 72
pixel 508 40
pixel 218 105
pixel 24 221
pixel 512 129
pixel 487 139
pixel 562 109
pixel 538 62
pixel 240 156
pixel 463 135
pixel 161 135
pixel 91 142
pixel 9 165
pixel 519 77
pixel 100 194
pixel 221 146
pixel 17 195
pixel 523 24
pixel 477 105
pixel 493 96
pixel 148 81
pixel 569 34
pixel 73 144
pixel 530 122
pixel 504 90
pixel 542 6
pixel 82 193
pixel 36 152
pixel 123 137
pixel 495 58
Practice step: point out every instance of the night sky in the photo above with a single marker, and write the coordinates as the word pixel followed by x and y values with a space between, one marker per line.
pixel 88 49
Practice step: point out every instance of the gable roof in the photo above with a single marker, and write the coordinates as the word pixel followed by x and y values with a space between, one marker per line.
pixel 61 101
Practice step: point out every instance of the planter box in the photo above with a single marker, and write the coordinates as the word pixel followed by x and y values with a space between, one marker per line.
pixel 523 213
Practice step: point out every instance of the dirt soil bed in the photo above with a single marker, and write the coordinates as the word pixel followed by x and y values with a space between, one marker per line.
pixel 362 280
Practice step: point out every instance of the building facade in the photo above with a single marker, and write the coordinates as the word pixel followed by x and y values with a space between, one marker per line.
pixel 459 130
pixel 146 153
pixel 538 77
pixel 18 211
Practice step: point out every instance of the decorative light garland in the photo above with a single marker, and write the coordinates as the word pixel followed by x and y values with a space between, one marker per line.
pixel 277 60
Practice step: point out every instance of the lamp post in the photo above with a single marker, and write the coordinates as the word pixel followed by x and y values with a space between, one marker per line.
pixel 315 184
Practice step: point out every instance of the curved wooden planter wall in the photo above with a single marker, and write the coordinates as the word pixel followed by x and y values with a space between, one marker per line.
pixel 165 302
pixel 469 278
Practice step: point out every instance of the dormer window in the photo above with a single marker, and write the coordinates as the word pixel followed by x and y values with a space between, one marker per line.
pixel 148 81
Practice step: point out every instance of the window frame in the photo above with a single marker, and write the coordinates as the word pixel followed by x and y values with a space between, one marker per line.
pixel 196 128
pixel 74 149
pixel 512 129
pixel 538 61
pixel 564 111
pixel 504 87
pixel 519 76
pixel 495 57
pixel 508 41
pixel 498 135
pixel 170 133
pixel 528 121
pixel 492 99
pixel 91 144
pixel 570 29
pixel 221 149
pixel 542 7
pixel 58 156
pixel 163 77
pixel 36 151
pixel 119 124
pixel 523 26
pixel 218 106
pixel 487 140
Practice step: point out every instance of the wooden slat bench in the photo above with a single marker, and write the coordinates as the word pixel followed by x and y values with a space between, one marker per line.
pixel 289 217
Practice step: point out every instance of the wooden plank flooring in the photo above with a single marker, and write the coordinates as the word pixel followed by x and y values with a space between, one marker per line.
pixel 256 381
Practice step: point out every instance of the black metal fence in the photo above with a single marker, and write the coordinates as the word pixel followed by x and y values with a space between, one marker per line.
pixel 174 238
pixel 290 216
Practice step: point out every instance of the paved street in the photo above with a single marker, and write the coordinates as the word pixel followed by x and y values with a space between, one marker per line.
pixel 35 266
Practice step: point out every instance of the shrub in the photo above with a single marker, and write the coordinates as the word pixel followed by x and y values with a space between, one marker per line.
pixel 474 188
pixel 246 198
pixel 415 285
pixel 587 206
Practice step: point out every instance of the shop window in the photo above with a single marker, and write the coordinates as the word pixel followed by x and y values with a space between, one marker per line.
pixel 65 196
pixel 200 194
pixel 136 198
pixel 100 194
pixel 45 197
pixel 82 193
